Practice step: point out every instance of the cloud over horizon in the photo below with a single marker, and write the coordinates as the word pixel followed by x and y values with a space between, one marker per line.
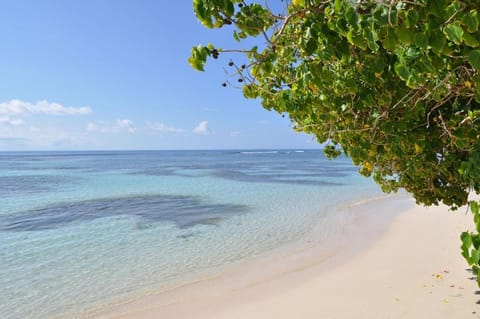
pixel 121 125
pixel 22 108
pixel 163 128
pixel 202 128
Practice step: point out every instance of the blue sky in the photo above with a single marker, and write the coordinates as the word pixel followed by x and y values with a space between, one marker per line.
pixel 113 74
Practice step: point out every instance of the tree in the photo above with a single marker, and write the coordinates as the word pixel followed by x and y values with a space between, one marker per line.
pixel 393 84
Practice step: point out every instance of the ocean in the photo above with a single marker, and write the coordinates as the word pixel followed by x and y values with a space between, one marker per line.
pixel 82 230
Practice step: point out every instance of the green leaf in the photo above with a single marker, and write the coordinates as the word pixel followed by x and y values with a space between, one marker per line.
pixel 267 67
pixel 199 57
pixel 470 40
pixel 421 40
pixel 477 96
pixel 474 59
pixel 390 42
pixel 195 64
pixel 250 91
pixel 310 47
pixel 412 17
pixel 476 240
pixel 475 256
pixel 470 19
pixel 202 14
pixel 378 65
pixel 437 41
pixel 466 238
pixel 454 32
pixel 229 8
pixel 338 5
pixel 412 53
pixel 474 207
pixel 331 151
pixel 356 40
pixel 402 71
pixel 235 36
pixel 404 35
pixel 352 17
pixel 392 16
pixel 372 38
pixel 475 271
pixel 437 7
pixel 454 7
pixel 413 81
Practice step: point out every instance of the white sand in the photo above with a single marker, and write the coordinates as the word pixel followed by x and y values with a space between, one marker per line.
pixel 412 270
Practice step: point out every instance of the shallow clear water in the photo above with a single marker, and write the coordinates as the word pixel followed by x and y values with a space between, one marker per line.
pixel 79 230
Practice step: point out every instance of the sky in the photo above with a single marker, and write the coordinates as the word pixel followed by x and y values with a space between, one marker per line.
pixel 113 75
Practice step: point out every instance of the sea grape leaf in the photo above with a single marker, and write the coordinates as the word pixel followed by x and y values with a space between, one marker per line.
pixel 474 59
pixel 470 40
pixel 454 32
pixel 471 20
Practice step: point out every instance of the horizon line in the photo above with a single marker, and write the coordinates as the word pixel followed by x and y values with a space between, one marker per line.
pixel 166 150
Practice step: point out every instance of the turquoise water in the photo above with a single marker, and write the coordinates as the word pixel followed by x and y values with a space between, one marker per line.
pixel 80 230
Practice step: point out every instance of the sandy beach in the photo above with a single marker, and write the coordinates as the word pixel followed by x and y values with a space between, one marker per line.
pixel 394 265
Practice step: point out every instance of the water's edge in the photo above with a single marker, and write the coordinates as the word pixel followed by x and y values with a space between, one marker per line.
pixel 85 230
pixel 369 219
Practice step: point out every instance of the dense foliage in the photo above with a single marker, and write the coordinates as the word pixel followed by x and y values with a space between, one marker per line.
pixel 395 85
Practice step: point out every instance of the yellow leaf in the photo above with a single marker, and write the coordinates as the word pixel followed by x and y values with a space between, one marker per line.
pixel 368 166
pixel 467 84
pixel 313 88
pixel 418 149
pixel 359 66
pixel 298 3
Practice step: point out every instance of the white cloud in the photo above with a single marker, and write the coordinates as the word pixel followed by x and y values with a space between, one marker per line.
pixel 160 127
pixel 19 108
pixel 126 125
pixel 202 128
pixel 7 121
pixel 93 127
pixel 123 125
pixel 234 133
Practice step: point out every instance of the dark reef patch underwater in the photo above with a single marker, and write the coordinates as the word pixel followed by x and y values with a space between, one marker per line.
pixel 184 211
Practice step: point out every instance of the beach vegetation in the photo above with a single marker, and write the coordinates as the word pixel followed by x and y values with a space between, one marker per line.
pixel 392 84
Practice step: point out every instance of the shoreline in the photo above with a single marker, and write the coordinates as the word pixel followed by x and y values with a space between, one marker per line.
pixel 313 247
pixel 270 286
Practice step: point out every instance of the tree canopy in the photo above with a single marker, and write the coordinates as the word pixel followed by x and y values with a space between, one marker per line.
pixel 393 84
